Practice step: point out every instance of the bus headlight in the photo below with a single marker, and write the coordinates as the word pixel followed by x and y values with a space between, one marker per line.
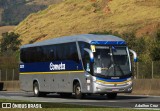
pixel 128 79
pixel 129 83
pixel 94 79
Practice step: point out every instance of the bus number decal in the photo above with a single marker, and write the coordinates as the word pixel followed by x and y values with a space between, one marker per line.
pixel 21 66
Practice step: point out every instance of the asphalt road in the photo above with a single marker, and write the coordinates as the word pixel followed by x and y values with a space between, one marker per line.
pixel 122 100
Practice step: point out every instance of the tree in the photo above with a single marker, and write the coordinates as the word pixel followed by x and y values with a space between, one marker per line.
pixel 155 49
pixel 130 39
pixel 10 42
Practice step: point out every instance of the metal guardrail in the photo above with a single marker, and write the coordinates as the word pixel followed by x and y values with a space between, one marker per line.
pixel 147 70
pixel 9 74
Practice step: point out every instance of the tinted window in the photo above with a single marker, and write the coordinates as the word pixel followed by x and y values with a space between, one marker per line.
pixel 59 52
pixel 84 54
pixel 23 55
pixel 83 45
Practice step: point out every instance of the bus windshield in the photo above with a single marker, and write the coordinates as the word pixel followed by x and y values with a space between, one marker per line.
pixel 111 61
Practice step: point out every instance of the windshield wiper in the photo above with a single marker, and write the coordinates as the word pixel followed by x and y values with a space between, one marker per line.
pixel 114 68
pixel 119 69
pixel 111 66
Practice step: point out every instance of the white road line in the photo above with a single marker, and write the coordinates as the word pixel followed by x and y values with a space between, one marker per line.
pixel 139 95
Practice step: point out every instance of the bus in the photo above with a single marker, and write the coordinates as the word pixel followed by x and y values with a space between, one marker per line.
pixel 80 65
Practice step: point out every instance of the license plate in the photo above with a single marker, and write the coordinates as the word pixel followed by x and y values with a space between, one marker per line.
pixel 115 89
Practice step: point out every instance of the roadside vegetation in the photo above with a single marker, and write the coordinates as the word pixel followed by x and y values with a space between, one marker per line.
pixel 9 53
pixel 4 29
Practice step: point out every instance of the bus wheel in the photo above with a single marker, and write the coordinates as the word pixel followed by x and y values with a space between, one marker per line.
pixel 111 95
pixel 36 91
pixel 77 90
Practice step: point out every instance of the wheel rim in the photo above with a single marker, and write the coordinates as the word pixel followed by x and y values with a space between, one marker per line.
pixel 78 90
pixel 36 90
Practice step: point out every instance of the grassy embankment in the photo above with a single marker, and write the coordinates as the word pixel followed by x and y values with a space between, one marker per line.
pixel 79 108
pixel 4 29
pixel 85 16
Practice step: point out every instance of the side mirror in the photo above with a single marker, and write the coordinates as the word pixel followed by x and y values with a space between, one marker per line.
pixel 90 54
pixel 134 55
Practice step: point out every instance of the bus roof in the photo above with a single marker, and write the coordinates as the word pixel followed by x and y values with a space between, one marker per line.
pixel 89 38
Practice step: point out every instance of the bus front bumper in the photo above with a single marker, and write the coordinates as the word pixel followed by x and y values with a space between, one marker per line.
pixel 112 88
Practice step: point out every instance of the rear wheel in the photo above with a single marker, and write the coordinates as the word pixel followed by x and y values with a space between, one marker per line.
pixel 36 91
pixel 77 90
pixel 111 95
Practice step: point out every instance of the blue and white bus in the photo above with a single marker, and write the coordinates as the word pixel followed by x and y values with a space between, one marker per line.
pixel 79 65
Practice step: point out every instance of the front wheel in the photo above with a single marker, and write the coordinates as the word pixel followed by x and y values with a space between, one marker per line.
pixel 111 95
pixel 77 90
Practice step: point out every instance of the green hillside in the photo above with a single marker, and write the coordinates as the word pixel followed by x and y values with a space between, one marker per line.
pixel 14 11
pixel 84 16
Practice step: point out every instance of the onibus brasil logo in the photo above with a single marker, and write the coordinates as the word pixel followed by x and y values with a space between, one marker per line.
pixel 57 66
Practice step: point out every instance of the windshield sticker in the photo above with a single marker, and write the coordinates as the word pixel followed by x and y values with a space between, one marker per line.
pixel 21 66
pixel 93 48
pixel 99 70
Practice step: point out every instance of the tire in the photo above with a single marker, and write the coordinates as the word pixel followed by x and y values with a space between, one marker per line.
pixel 77 91
pixel 111 95
pixel 36 91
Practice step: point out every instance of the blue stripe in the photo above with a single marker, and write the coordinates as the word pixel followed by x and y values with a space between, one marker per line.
pixel 111 80
pixel 108 43
pixel 45 66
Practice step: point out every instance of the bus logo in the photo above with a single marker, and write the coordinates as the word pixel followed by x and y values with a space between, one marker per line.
pixel 57 66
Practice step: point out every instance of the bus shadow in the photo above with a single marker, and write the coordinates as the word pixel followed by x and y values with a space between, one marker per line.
pixel 95 97
pixel 119 97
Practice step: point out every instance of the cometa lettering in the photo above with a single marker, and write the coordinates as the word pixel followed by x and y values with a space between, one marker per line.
pixel 57 66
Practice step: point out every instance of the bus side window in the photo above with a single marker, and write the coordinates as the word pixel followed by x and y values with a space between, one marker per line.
pixel 73 53
pixel 29 55
pixel 39 54
pixel 84 54
pixel 86 61
pixel 23 55
pixel 51 55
